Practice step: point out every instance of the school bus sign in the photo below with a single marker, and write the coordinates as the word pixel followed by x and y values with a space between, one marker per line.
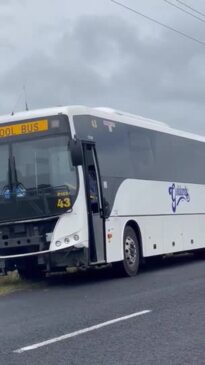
pixel 24 128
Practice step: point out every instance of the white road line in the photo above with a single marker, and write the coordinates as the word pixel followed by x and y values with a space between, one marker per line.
pixel 80 332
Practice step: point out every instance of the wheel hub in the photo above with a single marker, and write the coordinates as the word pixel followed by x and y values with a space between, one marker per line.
pixel 130 251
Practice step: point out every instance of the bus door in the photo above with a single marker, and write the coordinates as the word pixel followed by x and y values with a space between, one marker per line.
pixel 94 203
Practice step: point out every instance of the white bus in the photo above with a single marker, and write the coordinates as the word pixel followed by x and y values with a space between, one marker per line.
pixel 86 186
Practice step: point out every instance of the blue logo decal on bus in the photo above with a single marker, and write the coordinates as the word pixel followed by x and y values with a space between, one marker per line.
pixel 178 194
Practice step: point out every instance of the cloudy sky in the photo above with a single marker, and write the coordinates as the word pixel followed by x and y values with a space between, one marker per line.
pixel 96 53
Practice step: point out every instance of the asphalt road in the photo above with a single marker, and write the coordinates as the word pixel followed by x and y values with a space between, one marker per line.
pixel 173 332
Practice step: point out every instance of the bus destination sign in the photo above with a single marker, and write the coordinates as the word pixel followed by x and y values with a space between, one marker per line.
pixel 24 128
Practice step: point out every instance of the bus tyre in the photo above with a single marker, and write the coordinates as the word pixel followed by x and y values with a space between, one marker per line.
pixel 129 266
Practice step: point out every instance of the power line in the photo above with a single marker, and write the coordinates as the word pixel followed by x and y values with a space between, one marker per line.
pixel 189 7
pixel 159 23
pixel 184 11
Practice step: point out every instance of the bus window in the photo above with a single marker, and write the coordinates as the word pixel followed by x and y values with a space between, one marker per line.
pixel 141 153
pixel 45 163
pixel 4 167
pixel 93 188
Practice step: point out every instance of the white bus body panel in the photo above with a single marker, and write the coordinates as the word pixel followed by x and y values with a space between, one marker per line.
pixel 149 204
pixel 73 224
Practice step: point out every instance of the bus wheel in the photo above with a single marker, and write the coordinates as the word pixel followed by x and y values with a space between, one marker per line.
pixel 129 266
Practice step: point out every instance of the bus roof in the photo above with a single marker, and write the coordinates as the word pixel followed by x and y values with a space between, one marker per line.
pixel 103 112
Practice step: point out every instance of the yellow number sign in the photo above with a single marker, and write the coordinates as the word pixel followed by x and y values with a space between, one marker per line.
pixel 63 203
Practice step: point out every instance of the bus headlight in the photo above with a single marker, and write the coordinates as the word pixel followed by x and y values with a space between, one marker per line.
pixel 58 243
pixel 67 240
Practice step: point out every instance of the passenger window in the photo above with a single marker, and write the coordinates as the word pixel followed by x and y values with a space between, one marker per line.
pixel 141 153
pixel 93 187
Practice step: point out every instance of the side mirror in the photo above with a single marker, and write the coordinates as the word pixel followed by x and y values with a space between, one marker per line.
pixel 76 151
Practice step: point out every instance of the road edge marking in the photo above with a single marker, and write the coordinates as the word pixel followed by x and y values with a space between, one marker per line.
pixel 80 332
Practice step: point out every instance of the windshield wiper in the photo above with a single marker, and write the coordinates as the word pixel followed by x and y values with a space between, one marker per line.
pixel 16 182
pixel 10 173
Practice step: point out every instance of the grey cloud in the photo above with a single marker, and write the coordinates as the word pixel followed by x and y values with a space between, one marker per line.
pixel 9 3
pixel 103 60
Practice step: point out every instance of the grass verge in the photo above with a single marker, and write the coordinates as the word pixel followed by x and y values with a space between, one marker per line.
pixel 12 282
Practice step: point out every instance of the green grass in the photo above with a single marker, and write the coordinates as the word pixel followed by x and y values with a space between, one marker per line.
pixel 12 282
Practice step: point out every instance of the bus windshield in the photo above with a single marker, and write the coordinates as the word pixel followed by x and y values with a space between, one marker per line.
pixel 44 163
pixel 37 178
